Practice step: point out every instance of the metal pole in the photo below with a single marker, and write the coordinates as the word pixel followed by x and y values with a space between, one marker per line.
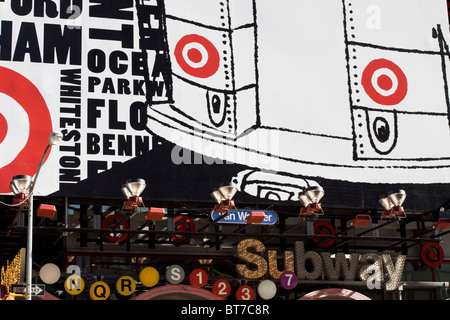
pixel 29 260
pixel 29 269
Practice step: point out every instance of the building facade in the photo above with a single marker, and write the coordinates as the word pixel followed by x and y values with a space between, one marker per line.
pixel 235 149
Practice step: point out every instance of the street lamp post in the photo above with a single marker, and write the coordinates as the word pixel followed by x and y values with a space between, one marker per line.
pixel 22 184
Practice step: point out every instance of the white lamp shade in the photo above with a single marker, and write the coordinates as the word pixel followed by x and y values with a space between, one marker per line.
pixel 228 192
pixel 13 188
pixel 49 273
pixel 267 289
pixel 315 194
pixel 386 203
pixel 217 196
pixel 20 184
pixel 125 191
pixel 55 138
pixel 135 186
pixel 398 198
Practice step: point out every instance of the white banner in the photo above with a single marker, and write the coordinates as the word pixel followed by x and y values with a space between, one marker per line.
pixel 306 90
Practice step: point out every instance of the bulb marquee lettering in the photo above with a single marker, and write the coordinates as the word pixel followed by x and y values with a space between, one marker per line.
pixel 312 265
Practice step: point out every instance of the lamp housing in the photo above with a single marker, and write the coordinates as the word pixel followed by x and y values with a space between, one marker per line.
pixel 315 194
pixel 135 186
pixel 46 211
pixel 224 206
pixel 310 209
pixel 310 200
pixel 393 205
pixel 132 189
pixel 21 199
pixel 21 184
pixel 255 217
pixel 126 192
pixel 397 198
pixel 228 192
pixel 55 138
pixel 304 199
pixel 442 224
pixel 132 203
pixel 223 196
pixel 361 220
pixel 386 203
pixel 216 195
pixel 155 214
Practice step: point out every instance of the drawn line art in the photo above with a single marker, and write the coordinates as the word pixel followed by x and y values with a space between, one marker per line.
pixel 357 105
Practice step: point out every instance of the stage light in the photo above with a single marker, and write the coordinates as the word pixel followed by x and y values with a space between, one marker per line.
pixel 315 194
pixel 385 203
pixel 20 186
pixel 393 205
pixel 132 190
pixel 223 197
pixel 310 200
pixel 398 198
pixel 13 188
pixel 135 186
pixel 304 199
pixel 228 192
pixel 126 192
pixel 217 196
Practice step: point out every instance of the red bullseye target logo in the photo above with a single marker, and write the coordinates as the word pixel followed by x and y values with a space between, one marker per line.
pixel 323 228
pixel 114 221
pixel 197 56
pixel 34 108
pixel 385 82
pixel 432 254
pixel 183 223
pixel 3 128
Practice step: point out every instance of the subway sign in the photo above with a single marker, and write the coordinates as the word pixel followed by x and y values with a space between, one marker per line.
pixel 240 216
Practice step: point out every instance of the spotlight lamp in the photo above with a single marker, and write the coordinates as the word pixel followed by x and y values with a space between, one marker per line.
pixel 132 190
pixel 20 186
pixel 310 199
pixel 392 205
pixel 224 198
pixel 55 138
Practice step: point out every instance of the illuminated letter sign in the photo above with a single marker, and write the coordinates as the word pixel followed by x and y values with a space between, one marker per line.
pixel 258 261
pixel 372 268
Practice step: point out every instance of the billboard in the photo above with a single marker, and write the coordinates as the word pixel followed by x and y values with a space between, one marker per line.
pixel 274 96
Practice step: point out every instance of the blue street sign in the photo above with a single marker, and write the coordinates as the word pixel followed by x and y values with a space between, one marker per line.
pixel 238 216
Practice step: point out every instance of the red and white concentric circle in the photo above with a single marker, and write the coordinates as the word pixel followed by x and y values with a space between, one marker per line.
pixel 14 129
pixel 385 82
pixel 25 125
pixel 197 56
pixel 3 128
pixel 432 254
